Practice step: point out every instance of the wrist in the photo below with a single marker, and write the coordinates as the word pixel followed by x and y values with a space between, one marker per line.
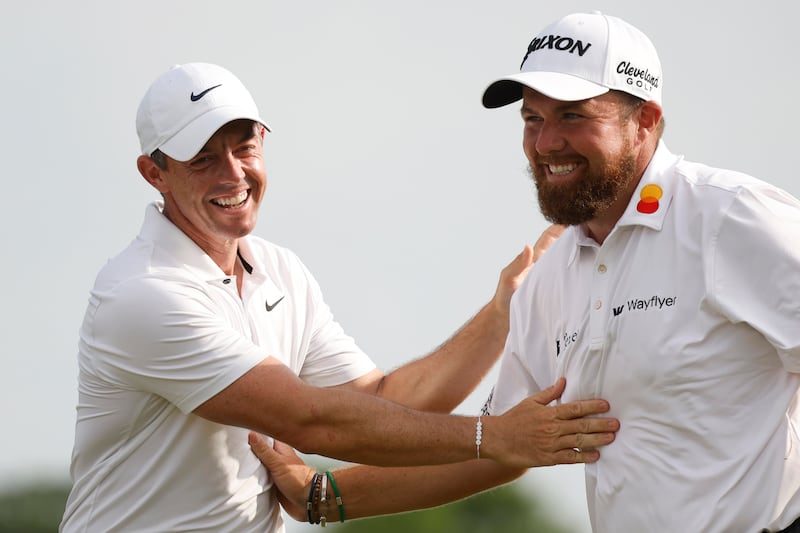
pixel 497 310
pixel 498 317
pixel 488 448
pixel 300 494
pixel 478 436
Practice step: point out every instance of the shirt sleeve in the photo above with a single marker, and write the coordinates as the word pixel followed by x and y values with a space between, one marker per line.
pixel 514 384
pixel 333 357
pixel 755 270
pixel 515 381
pixel 166 337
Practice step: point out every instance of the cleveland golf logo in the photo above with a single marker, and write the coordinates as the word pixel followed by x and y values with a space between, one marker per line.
pixel 640 77
pixel 556 42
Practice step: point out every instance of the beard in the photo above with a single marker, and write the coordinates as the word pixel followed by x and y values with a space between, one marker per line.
pixel 580 200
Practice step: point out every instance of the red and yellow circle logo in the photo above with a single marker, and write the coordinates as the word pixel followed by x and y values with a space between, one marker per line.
pixel 650 196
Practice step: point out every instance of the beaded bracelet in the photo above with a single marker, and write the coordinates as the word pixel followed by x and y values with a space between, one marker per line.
pixel 339 503
pixel 478 436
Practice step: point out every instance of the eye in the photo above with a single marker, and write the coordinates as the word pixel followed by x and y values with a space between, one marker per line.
pixel 200 161
pixel 245 151
pixel 248 146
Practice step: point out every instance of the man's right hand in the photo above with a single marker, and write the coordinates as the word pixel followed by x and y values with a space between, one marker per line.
pixel 290 474
pixel 531 434
pixel 535 434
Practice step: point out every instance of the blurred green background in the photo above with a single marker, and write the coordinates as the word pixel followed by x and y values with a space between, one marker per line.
pixel 509 509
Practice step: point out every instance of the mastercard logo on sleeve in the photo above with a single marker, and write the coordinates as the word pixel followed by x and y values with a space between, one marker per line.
pixel 650 196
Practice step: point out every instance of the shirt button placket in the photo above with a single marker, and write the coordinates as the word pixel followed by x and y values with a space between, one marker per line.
pixel 597 319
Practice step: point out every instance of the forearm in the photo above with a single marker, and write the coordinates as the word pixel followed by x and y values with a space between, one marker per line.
pixel 443 379
pixel 363 429
pixel 340 423
pixel 369 491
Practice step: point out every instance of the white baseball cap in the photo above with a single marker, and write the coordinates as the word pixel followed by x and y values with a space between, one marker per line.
pixel 186 105
pixel 582 56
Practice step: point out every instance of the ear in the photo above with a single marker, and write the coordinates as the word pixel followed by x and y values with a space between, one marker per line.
pixel 151 173
pixel 650 114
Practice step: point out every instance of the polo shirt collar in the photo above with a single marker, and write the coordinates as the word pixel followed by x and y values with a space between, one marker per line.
pixel 256 277
pixel 650 201
pixel 653 196
pixel 182 250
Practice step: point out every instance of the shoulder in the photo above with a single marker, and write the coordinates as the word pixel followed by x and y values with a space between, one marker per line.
pixel 143 284
pixel 723 192
pixel 722 180
pixel 143 268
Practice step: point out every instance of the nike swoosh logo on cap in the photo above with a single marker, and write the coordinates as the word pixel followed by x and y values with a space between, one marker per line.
pixel 198 96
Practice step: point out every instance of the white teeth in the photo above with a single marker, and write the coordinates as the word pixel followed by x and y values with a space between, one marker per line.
pixel 229 202
pixel 562 169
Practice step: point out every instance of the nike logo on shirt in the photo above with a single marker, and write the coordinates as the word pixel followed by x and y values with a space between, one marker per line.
pixel 271 307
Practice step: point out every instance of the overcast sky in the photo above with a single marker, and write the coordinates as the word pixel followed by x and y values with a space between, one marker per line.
pixel 401 193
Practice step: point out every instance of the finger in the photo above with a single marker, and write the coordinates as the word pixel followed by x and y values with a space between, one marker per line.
pixel 261 448
pixel 581 408
pixel 256 441
pixel 282 448
pixel 585 441
pixel 552 393
pixel 287 453
pixel 548 237
pixel 514 273
pixel 572 456
pixel 588 425
pixel 522 262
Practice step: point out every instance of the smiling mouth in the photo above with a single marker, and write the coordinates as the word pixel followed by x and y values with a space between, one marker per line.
pixel 232 201
pixel 558 170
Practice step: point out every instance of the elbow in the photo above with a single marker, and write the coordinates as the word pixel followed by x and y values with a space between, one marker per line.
pixel 305 441
pixel 306 431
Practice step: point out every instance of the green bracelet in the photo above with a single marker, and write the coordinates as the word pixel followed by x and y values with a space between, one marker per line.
pixel 336 493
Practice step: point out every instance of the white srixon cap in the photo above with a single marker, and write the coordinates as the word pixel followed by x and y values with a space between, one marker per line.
pixel 186 105
pixel 582 56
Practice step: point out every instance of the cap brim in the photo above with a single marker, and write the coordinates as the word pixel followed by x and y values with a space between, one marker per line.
pixel 185 144
pixel 554 85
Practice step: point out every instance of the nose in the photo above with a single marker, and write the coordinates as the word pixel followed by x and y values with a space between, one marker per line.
pixel 232 168
pixel 548 138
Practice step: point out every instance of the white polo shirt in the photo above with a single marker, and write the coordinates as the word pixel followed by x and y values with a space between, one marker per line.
pixel 687 320
pixel 165 330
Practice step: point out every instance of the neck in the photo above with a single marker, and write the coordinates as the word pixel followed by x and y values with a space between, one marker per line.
pixel 601 226
pixel 221 250
pixel 225 257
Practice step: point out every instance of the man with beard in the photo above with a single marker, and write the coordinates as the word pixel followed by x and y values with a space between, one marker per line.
pixel 198 332
pixel 646 300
